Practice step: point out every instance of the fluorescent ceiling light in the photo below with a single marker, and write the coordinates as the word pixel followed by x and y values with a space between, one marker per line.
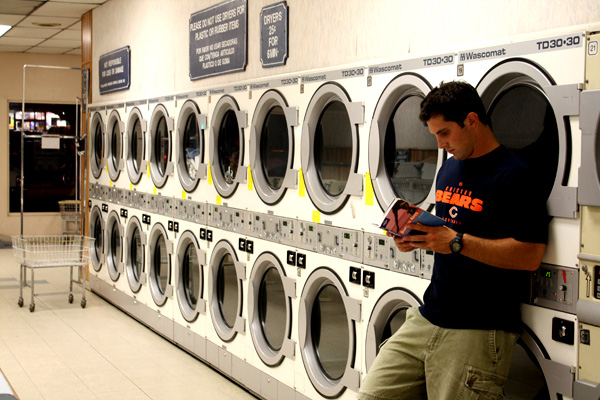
pixel 4 29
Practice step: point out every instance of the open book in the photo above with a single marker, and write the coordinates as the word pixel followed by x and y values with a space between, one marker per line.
pixel 401 215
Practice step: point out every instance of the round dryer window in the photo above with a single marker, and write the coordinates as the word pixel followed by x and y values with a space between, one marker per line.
pixel 225 291
pixel 114 145
pixel 113 241
pixel 403 155
pixel 134 254
pixel 190 134
pixel 97 145
pixel 327 332
pixel 161 127
pixel 270 309
pixel 330 148
pixel 530 116
pixel 387 317
pixel 160 250
pixel 97 232
pixel 272 147
pixel 136 129
pixel 227 146
pixel 190 261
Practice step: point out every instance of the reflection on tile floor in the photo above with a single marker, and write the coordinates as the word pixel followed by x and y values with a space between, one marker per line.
pixel 62 351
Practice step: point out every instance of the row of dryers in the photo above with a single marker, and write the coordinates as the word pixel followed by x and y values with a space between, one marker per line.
pixel 285 318
pixel 324 152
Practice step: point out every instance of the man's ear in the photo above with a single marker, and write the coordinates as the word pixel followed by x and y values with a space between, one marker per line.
pixel 472 119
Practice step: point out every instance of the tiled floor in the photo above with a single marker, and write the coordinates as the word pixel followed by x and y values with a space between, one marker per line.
pixel 62 351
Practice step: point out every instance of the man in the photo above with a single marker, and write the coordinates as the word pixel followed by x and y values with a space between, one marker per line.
pixel 459 344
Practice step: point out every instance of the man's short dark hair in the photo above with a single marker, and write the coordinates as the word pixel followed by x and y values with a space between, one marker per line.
pixel 454 101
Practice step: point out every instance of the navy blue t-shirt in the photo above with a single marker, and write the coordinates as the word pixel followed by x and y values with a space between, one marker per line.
pixel 494 196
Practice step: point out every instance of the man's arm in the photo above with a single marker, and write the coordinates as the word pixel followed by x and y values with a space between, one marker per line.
pixel 506 253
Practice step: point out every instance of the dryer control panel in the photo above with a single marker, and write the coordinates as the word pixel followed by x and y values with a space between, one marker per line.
pixel 555 287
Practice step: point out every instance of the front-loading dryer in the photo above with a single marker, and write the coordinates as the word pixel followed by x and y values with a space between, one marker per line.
pixel 135 147
pixel 190 277
pixel 273 145
pixel 530 87
pixel 329 328
pixel 228 146
pixel 97 146
pixel 226 331
pixel 159 266
pixel 333 119
pixel 190 146
pixel 97 227
pixel 271 302
pixel 160 140
pixel 115 134
pixel 403 156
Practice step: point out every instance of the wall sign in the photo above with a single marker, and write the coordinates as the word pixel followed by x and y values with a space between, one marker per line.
pixel 274 35
pixel 114 70
pixel 219 39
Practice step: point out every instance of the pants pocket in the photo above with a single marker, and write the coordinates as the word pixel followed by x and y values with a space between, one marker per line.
pixel 480 384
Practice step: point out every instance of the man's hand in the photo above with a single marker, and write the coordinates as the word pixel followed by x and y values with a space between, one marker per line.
pixel 435 238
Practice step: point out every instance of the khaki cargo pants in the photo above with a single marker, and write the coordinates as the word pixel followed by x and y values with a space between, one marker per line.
pixel 424 361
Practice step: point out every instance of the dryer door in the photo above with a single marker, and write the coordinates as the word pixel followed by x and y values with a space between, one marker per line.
pixel 190 273
pixel 387 317
pixel 96 145
pixel 114 240
pixel 589 172
pixel 160 249
pixel 97 232
pixel 270 296
pixel 530 115
pixel 403 155
pixel 226 291
pixel 135 240
pixel 327 333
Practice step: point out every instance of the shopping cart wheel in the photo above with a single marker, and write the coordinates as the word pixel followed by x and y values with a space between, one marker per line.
pixel 31 307
pixel 71 298
pixel 83 302
pixel 20 302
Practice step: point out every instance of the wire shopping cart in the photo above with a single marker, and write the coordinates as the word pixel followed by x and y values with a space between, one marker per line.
pixel 71 217
pixel 42 251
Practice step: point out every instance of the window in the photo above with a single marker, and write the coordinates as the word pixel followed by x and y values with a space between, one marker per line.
pixel 49 174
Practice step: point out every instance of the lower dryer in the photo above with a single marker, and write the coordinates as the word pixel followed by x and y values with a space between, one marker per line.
pixel 272 321
pixel 114 236
pixel 329 328
pixel 134 257
pixel 226 330
pixel 159 267
pixel 97 226
pixel 190 272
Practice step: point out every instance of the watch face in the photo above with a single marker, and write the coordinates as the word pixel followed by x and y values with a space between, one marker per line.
pixel 455 246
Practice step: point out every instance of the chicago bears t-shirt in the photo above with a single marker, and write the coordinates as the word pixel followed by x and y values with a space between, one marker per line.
pixel 493 196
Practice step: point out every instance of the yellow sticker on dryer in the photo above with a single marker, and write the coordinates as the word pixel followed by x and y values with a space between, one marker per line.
pixel 301 186
pixel 250 182
pixel 316 216
pixel 369 192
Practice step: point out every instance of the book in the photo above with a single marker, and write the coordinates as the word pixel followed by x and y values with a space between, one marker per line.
pixel 401 216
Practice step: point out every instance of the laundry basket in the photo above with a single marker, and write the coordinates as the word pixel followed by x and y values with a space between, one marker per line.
pixel 71 217
pixel 43 251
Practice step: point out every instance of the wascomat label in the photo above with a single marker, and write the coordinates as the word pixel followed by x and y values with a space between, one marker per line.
pixel 563 42
pixel 410 65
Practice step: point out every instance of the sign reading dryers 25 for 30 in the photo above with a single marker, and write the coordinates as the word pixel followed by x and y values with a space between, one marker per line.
pixel 218 39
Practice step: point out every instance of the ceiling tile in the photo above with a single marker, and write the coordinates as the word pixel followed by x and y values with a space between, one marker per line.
pixel 95 2
pixel 18 6
pixel 35 21
pixel 55 9
pixel 19 41
pixel 12 20
pixel 47 50
pixel 76 26
pixel 13 49
pixel 74 52
pixel 68 34
pixel 31 32
pixel 64 44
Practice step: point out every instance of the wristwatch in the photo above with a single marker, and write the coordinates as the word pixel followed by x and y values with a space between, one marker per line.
pixel 456 244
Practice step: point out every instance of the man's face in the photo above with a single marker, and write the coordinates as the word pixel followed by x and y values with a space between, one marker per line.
pixel 451 137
